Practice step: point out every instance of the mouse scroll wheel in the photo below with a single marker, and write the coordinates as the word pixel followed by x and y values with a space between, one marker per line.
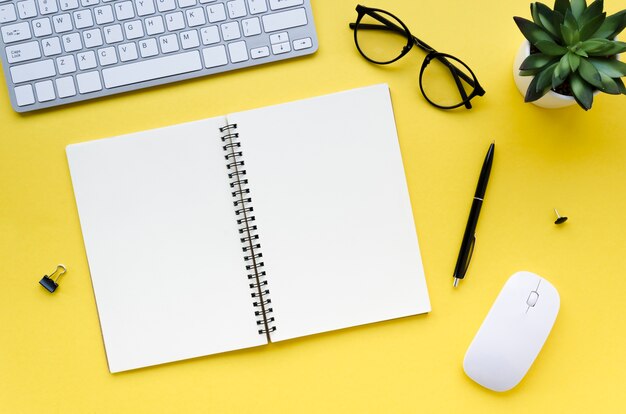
pixel 532 298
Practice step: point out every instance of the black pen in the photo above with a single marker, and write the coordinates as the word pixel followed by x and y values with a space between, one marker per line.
pixel 469 237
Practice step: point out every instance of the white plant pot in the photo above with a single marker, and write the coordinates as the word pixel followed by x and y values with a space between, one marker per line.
pixel 549 100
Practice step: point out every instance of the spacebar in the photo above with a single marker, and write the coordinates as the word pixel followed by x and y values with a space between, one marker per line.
pixel 152 69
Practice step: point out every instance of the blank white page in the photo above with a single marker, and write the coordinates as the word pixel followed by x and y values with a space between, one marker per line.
pixel 162 244
pixel 334 216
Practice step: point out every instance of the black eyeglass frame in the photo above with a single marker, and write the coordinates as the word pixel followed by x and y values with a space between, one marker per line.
pixel 412 40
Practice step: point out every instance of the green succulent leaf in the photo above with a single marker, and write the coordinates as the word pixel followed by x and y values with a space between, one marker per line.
pixel 581 53
pixel 595 45
pixel 570 20
pixel 582 91
pixel 610 48
pixel 536 61
pixel 561 6
pixel 531 31
pixel 532 72
pixel 531 93
pixel 561 72
pixel 544 78
pixel 620 85
pixel 574 61
pixel 578 7
pixel 594 10
pixel 592 26
pixel 570 36
pixel 547 19
pixel 613 68
pixel 550 48
pixel 589 73
pixel 612 26
pixel 609 85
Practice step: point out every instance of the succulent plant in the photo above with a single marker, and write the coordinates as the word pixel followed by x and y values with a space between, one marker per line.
pixel 573 50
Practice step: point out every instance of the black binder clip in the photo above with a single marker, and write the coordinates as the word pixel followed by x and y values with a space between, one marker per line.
pixel 51 282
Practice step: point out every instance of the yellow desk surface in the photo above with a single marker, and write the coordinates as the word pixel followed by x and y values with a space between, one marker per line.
pixel 51 354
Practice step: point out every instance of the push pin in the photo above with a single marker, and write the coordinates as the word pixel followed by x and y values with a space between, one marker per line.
pixel 559 219
pixel 51 282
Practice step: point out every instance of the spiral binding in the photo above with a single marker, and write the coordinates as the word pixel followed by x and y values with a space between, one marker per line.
pixel 249 237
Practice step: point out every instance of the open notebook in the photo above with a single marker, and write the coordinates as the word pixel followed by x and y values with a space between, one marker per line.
pixel 256 226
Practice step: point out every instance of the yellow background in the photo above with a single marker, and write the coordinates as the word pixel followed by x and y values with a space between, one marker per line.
pixel 51 354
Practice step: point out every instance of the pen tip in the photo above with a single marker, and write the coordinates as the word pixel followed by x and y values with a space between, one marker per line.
pixel 456 282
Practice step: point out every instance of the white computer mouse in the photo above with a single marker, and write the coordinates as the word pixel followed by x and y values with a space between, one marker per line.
pixel 513 332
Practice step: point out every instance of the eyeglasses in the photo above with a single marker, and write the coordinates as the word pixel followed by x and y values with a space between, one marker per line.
pixel 445 81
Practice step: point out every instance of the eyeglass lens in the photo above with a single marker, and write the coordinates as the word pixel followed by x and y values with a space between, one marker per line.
pixel 440 86
pixel 379 42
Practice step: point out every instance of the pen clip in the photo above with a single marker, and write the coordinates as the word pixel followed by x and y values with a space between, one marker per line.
pixel 469 256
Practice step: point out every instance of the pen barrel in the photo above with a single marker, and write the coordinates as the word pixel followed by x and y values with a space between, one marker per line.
pixel 468 240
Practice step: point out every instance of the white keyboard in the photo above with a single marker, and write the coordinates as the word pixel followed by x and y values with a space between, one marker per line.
pixel 61 51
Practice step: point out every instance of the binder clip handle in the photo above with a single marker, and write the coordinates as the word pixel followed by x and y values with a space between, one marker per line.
pixel 51 282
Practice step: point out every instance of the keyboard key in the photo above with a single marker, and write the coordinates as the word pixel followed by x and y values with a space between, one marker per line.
pixel 215 56
pixel 23 52
pixel 175 21
pixel 260 52
pixel 284 20
pixel 87 60
pixel 230 31
pixel 169 43
pixel 166 5
pixel 66 87
pixel 236 8
pixel 7 13
pixel 62 23
pixel 92 38
pixel 189 39
pixel 195 17
pixel 145 7
pixel 51 46
pixel 42 27
pixel 148 48
pixel 154 25
pixel 128 52
pixel 283 4
pixel 280 48
pixel 104 14
pixel 24 95
pixel 216 13
pixel 302 43
pixel 238 52
pixel 33 71
pixel 83 19
pixel 66 64
pixel 134 29
pixel 26 9
pixel 257 6
pixel 48 6
pixel 279 37
pixel 210 35
pixel 16 32
pixel 251 27
pixel 45 91
pixel 107 56
pixel 186 3
pixel 72 42
pixel 69 5
pixel 89 82
pixel 113 34
pixel 152 69
pixel 87 3
pixel 124 10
